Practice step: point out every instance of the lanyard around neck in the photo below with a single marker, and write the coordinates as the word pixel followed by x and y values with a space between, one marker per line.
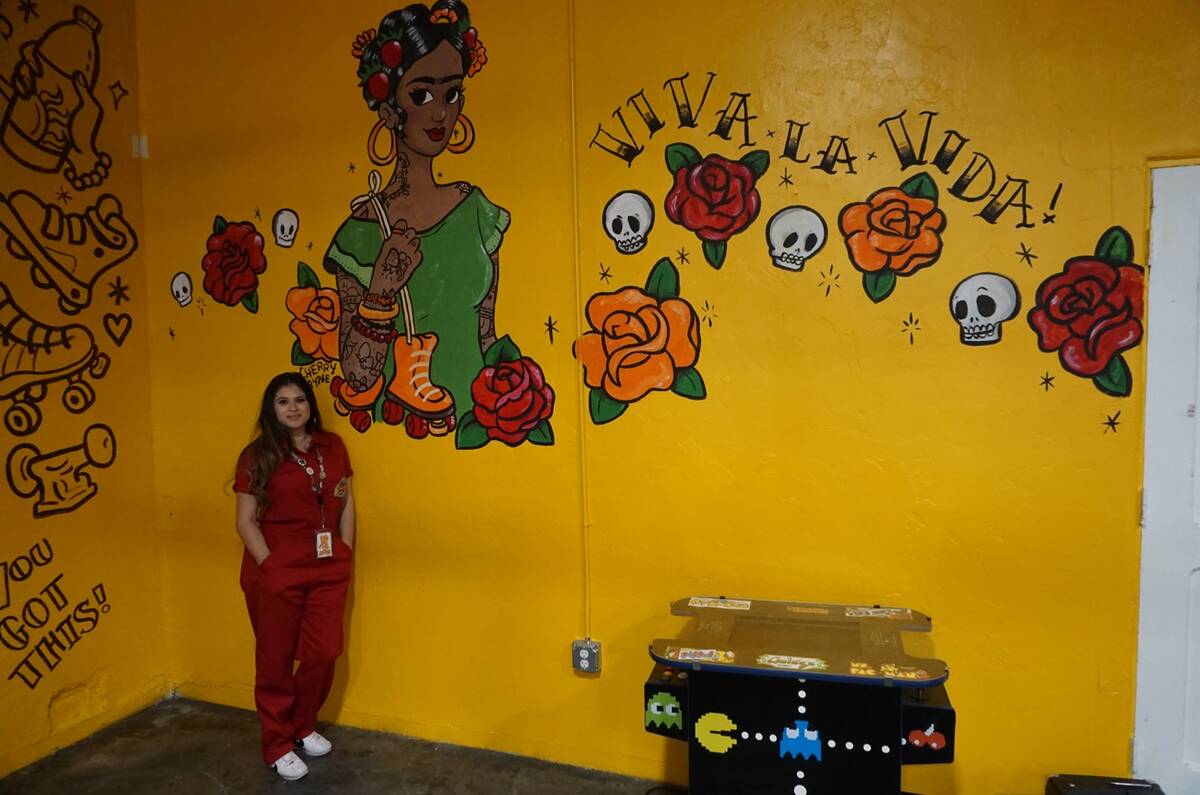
pixel 316 481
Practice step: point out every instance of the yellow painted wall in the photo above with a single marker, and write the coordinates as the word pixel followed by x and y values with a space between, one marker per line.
pixel 833 459
pixel 89 663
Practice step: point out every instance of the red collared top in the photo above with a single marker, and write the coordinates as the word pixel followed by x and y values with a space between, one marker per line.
pixel 294 510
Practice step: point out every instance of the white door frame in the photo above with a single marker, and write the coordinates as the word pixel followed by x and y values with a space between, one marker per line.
pixel 1167 727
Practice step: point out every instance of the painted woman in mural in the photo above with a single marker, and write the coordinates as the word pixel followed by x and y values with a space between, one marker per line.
pixel 417 262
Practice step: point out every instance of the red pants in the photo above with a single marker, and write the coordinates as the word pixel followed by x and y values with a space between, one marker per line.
pixel 296 602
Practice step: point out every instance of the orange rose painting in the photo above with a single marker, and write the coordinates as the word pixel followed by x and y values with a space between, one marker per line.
pixel 315 320
pixel 316 315
pixel 641 340
pixel 895 232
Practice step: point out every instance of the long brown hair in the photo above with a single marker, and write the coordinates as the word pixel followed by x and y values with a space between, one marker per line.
pixel 273 439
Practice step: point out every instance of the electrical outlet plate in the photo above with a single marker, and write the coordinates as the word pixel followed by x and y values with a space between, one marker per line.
pixel 585 656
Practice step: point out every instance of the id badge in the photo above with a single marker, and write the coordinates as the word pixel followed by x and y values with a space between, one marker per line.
pixel 325 545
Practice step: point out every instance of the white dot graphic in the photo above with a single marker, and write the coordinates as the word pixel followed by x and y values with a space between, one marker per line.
pixel 799 774
pixel 803 694
pixel 800 790
pixel 867 747
pixel 832 744
pixel 773 738
pixel 849 746
pixel 745 735
pixel 885 749
pixel 802 709
pixel 758 735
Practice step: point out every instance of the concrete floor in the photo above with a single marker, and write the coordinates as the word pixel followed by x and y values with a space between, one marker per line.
pixel 183 747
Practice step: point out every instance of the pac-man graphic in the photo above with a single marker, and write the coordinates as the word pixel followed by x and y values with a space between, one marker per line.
pixel 708 732
pixel 663 711
pixel 800 742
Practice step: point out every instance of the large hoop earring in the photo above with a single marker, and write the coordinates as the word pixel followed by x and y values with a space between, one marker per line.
pixel 462 137
pixel 373 144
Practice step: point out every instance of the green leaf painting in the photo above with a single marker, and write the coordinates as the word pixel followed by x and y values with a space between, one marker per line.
pixel 299 357
pixel 663 281
pixel 470 435
pixel 1116 380
pixel 603 408
pixel 1115 247
pixel 502 350
pixel 878 285
pixel 682 156
pixel 689 384
pixel 921 186
pixel 305 277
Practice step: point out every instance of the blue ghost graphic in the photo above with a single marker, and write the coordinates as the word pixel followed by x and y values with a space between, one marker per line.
pixel 800 743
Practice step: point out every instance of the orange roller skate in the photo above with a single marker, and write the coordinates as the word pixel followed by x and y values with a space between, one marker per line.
pixel 66 251
pixel 34 355
pixel 411 390
pixel 356 405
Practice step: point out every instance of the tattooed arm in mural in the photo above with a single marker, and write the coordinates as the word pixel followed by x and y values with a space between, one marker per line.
pixel 487 309
pixel 362 354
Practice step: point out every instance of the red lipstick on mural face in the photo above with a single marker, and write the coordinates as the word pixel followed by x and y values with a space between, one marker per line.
pixel 436 133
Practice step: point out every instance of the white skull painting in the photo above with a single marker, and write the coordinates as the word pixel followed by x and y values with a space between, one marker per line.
pixel 980 305
pixel 795 234
pixel 628 218
pixel 285 225
pixel 181 288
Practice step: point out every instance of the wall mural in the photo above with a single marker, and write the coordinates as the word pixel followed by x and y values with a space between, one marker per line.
pixel 409 318
pixel 42 626
pixel 1089 314
pixel 51 120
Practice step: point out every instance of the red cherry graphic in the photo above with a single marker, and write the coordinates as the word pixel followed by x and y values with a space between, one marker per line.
pixel 391 53
pixel 470 38
pixel 929 737
pixel 377 85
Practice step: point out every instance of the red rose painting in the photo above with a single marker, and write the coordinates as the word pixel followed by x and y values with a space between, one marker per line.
pixel 1092 312
pixel 513 402
pixel 233 262
pixel 714 197
pixel 511 399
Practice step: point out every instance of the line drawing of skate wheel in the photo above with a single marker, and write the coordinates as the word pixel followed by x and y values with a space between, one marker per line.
pixel 20 476
pixel 22 418
pixel 79 396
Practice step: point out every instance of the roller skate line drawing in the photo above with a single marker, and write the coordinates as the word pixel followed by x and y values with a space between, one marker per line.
pixel 60 479
pixel 66 252
pixel 33 356
pixel 49 114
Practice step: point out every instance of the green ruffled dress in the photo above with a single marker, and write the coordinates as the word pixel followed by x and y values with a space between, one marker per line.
pixel 447 288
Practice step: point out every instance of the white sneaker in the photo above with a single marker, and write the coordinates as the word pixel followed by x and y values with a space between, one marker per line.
pixel 316 745
pixel 290 767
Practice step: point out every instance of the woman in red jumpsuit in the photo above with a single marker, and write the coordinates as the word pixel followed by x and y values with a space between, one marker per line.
pixel 295 514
